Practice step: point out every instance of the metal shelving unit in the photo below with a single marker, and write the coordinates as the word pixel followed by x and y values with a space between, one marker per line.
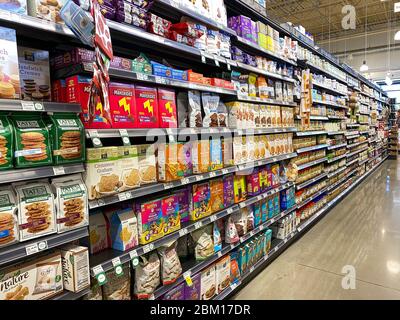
pixel 38 106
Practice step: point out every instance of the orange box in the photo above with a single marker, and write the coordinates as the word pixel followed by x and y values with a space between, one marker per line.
pixel 195 77
pixel 201 156
pixel 216 82
pixel 167 162
pixel 207 81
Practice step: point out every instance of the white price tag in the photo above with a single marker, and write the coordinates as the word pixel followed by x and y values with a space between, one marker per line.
pixel 185 181
pixel 203 59
pixel 285 240
pixel 133 254
pixel 182 232
pixel 199 178
pixel 198 225
pixel 116 262
pixel 233 286
pixel 219 254
pixel 225 171
pixel 31 249
pixel 142 76
pixel 168 186
pixel 161 80
pixel 27 105
pixel 276 249
pixel 260 163
pixel 272 221
pixel 188 278
pixel 251 269
pixel 213 218
pixel 58 171
pixel 152 297
pixel 213 174
pixel 229 210
pixel 228 65
pixel 97 270
pixel 122 196
pixel 146 249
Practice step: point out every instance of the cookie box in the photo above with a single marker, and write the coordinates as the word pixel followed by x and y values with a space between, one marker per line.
pixel 229 197
pixel 98 236
pixel 170 211
pixel 6 143
pixel 242 259
pixel 36 211
pixel 59 90
pixel 46 9
pixel 216 195
pixel 208 283
pixel 102 174
pixel 68 138
pixel 183 196
pixel 161 70
pixel 75 267
pixel 34 73
pixel 193 292
pixel 253 183
pixel 257 213
pixel 150 220
pixel 37 279
pixel 167 162
pixel 9 69
pixel 239 188
pixel 200 204
pixel 201 156
pixel 216 161
pixel 78 90
pixel 167 108
pixel 142 64
pixel 223 273
pixel 146 107
pixel 129 166
pixel 123 230
pixel 234 266
pixel 8 218
pixel 185 164
pixel 177 293
pixel 147 164
pixel 71 202
pixel 18 6
pixel 122 105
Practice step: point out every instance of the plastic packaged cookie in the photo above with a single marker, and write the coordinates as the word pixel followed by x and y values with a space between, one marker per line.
pixel 8 218
pixel 147 276
pixel 171 267
pixel 6 143
pixel 210 107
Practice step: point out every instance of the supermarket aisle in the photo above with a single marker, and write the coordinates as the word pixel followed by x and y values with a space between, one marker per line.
pixel 362 231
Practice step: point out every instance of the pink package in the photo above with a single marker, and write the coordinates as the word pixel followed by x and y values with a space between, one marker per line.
pixel 170 210
pixel 253 183
pixel 229 198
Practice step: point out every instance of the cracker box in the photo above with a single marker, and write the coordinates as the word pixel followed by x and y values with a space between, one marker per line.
pixel 71 202
pixel 122 105
pixel 167 108
pixel 37 279
pixel 146 107
pixel 98 236
pixel 123 230
pixel 167 162
pixel 185 164
pixel 242 259
pixel 264 210
pixel 257 213
pixel 239 188
pixel 32 143
pixel 229 197
pixel 18 6
pixel 67 137
pixel 59 90
pixel 6 143
pixel 275 175
pixel 77 91
pixel 150 220
pixel 177 293
pixel 46 9
pixel 235 271
pixel 170 211
pixel 216 195
pixel 34 74
pixel 183 198
pixel 201 156
pixel 227 151
pixel 253 183
pixel 208 283
pixel 223 273
pixel 200 206
pixel 129 165
pixel 147 164
pixel 75 267
pixel 193 292
pixel 216 160
pixel 102 174
pixel 8 218
pixel 9 70
pixel 36 211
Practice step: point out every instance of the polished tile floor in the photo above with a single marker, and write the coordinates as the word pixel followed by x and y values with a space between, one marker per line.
pixel 363 231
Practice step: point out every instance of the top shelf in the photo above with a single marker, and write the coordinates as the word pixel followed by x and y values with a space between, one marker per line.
pixel 38 106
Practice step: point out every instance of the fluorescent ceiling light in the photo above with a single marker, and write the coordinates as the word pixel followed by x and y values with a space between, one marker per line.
pixel 388 80
pixel 364 67
pixel 397 36
pixel 397 7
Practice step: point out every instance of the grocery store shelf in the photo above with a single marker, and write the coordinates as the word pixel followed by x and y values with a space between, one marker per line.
pixel 68 295
pixel 263 72
pixel 364 113
pixel 336 118
pixel 337 146
pixel 320 146
pixel 311 163
pixel 349 146
pixel 329 103
pixel 38 106
pixel 311 198
pixel 250 165
pixel 352 162
pixel 357 151
pixel 364 123
pixel 23 250
pixel 10 176
pixel 348 137
pixel 334 173
pixel 265 195
pixel 311 181
pixel 363 161
pixel 326 73
pixel 309 133
pixel 327 88
pixel 245 98
pixel 260 49
pixel 352 125
pixel 336 158
pixel 321 118
pixel 334 133
pixel 187 11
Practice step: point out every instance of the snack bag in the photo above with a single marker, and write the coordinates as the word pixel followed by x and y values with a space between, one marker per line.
pixel 32 143
pixel 8 218
pixel 204 244
pixel 231 233
pixel 195 118
pixel 118 287
pixel 210 107
pixel 67 137
pixel 147 276
pixel 171 267
pixel 6 143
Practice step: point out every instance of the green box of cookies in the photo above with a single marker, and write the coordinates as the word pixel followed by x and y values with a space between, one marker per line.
pixel 6 143
pixel 68 138
pixel 31 141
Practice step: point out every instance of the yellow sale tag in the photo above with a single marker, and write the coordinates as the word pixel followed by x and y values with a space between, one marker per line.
pixel 188 279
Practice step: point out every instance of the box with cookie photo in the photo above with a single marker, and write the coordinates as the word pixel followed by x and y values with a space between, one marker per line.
pixel 34 73
pixel 46 9
pixel 36 209
pixel 71 202
pixel 32 143
pixel 8 218
pixel 67 137
pixel 6 143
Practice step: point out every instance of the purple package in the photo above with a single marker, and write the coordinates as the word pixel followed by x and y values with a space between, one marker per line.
pixel 123 17
pixel 177 293
pixel 183 198
pixel 236 51
pixel 193 292
pixel 121 5
pixel 253 183
pixel 107 11
pixel 229 198
pixel 254 32
pixel 121 63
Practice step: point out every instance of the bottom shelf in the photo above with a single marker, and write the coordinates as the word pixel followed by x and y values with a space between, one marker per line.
pixel 278 246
